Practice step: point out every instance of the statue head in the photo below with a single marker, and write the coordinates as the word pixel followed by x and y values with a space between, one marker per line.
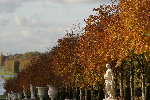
pixel 108 66
pixel 12 92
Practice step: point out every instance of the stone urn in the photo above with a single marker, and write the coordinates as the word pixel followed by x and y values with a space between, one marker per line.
pixel 14 96
pixel 53 91
pixel 19 95
pixel 41 92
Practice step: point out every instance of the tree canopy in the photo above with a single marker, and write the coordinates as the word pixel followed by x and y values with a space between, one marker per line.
pixel 117 33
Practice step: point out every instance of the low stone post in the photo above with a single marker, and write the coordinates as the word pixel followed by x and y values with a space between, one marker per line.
pixel 32 89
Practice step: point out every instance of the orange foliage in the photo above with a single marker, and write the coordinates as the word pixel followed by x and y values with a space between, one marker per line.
pixel 109 36
pixel 112 35
pixel 64 56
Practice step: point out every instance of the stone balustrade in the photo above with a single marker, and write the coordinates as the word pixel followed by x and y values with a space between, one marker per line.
pixel 52 92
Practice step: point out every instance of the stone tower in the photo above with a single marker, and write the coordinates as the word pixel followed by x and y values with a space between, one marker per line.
pixel 1 59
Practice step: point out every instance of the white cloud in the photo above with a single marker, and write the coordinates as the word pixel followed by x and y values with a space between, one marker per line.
pixel 3 21
pixel 82 1
pixel 32 20
pixel 10 6
pixel 45 5
pixel 26 33
pixel 30 33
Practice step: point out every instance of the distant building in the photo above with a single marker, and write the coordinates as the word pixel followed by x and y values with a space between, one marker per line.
pixel 2 59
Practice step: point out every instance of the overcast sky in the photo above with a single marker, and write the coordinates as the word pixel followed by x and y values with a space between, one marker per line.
pixel 34 25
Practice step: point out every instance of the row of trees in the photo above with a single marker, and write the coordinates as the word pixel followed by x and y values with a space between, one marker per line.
pixel 118 35
pixel 23 56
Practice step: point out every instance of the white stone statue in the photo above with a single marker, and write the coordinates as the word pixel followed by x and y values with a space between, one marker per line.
pixel 109 81
pixel 9 96
pixel 32 89
pixel 24 92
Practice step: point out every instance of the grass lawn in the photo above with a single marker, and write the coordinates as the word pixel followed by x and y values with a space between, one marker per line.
pixel 5 72
pixel 2 96
pixel 2 68
pixel 6 78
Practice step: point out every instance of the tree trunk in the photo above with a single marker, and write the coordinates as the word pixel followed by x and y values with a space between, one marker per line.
pixel 121 86
pixel 143 87
pixel 143 65
pixel 143 80
pixel 115 82
pixel 132 80
pixel 91 92
pixel 121 80
pixel 85 94
pixel 127 94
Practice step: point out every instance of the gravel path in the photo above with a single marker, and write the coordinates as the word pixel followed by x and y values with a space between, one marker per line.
pixel 2 90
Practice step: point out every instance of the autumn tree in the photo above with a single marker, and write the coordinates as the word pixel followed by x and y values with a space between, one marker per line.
pixel 116 33
pixel 31 54
pixel 64 56
pixel 135 18
pixel 94 46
